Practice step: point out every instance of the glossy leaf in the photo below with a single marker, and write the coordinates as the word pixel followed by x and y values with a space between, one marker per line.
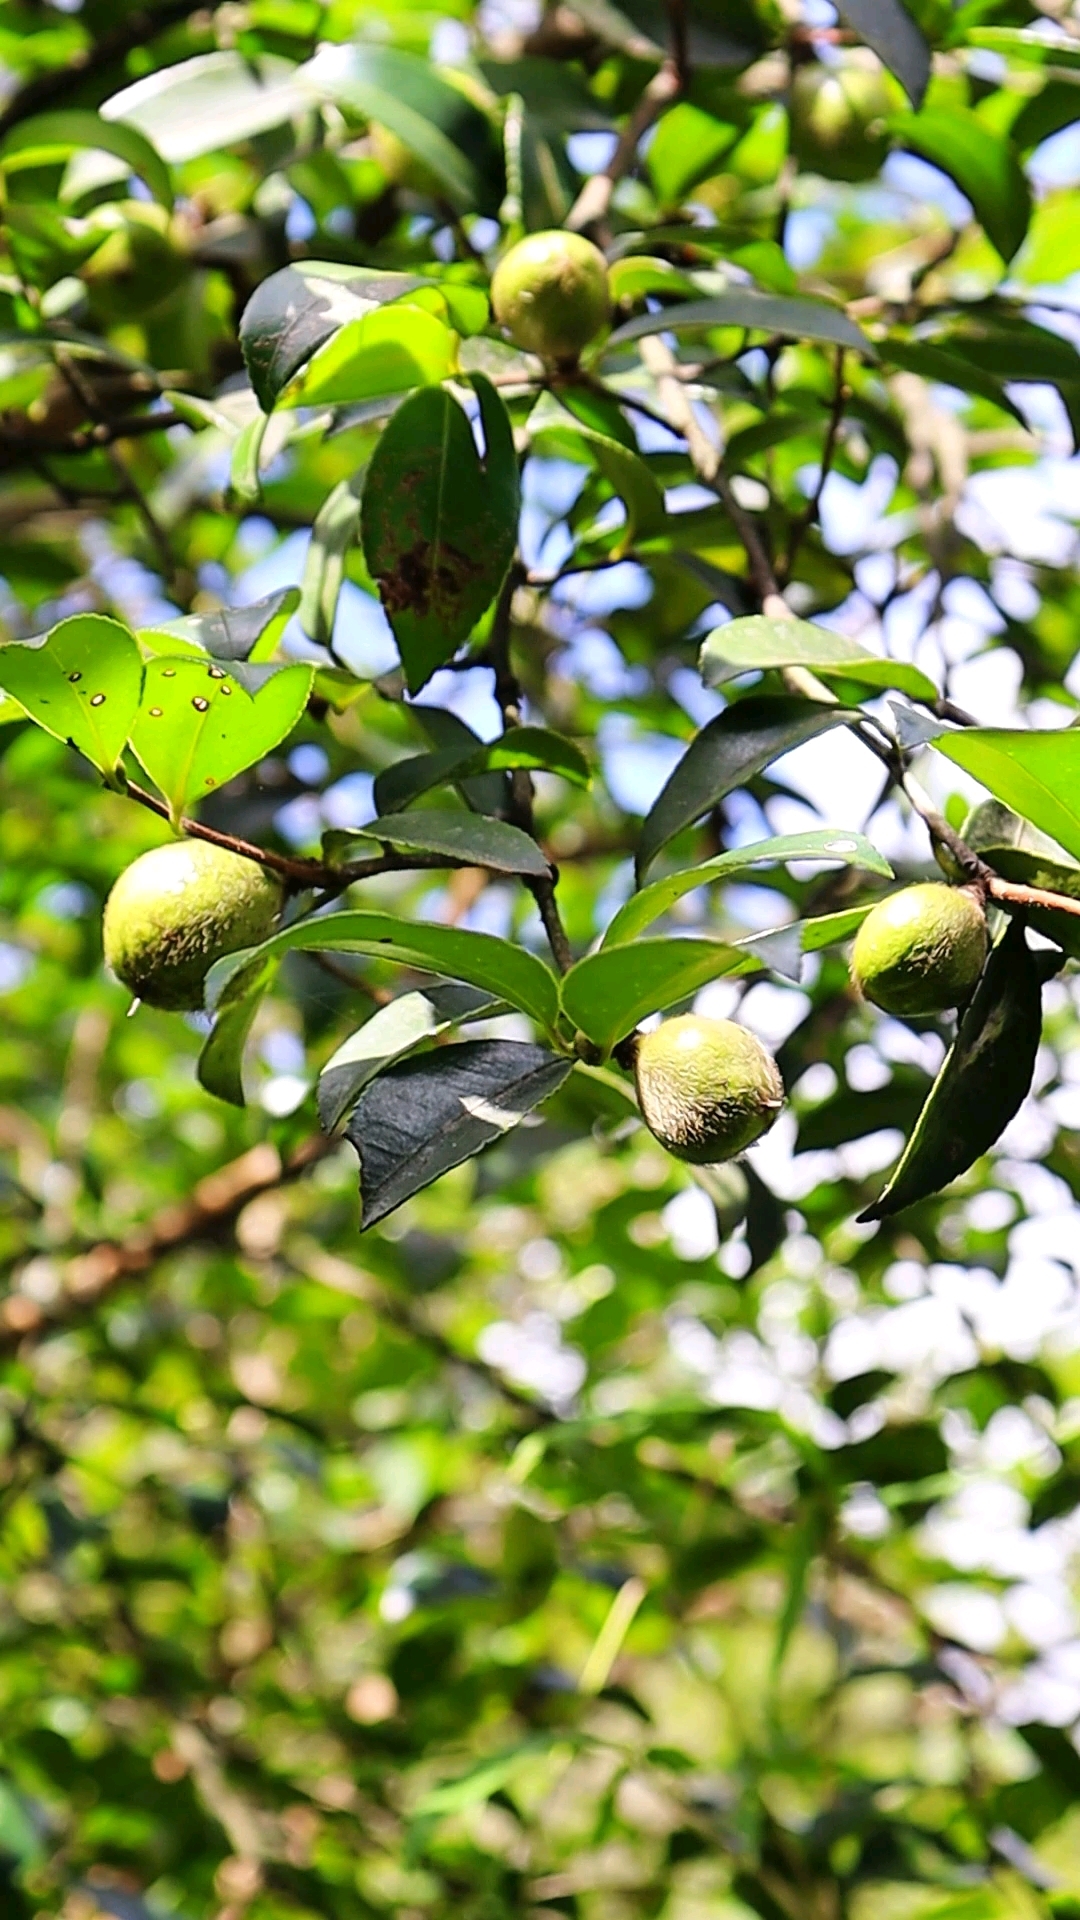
pixel 983 1080
pixel 947 369
pixel 234 633
pixel 298 309
pixel 687 146
pixel 1037 774
pixel 763 312
pixel 390 350
pixel 392 1031
pixel 728 752
pixel 1018 852
pixel 212 101
pixel 625 471
pixel 50 136
pixel 426 1115
pixel 81 681
pixel 199 725
pixel 609 992
pixel 464 837
pixel 820 844
pixel 533 748
pixel 887 27
pixel 335 529
pixel 982 164
pixel 439 524
pixel 743 645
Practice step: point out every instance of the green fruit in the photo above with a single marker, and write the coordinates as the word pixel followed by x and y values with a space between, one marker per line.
pixel 176 910
pixel 921 950
pixel 138 264
pixel 838 117
pixel 400 164
pixel 707 1088
pixel 551 294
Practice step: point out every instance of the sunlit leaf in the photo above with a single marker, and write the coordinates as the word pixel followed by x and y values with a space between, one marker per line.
pixel 81 682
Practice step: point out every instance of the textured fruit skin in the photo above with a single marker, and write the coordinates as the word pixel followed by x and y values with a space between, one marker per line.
pixel 707 1088
pixel 921 950
pixel 837 120
pixel 176 910
pixel 551 294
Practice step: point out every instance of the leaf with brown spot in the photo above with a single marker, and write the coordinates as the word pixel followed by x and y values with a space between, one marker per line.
pixel 440 522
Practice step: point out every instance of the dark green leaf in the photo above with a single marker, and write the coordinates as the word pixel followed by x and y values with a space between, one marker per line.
pixel 81 682
pixel 439 525
pixel 392 1031
pixel 428 1114
pixel 982 164
pixel 823 843
pixel 742 645
pixel 533 748
pixel 763 312
pixel 887 27
pixel 465 837
pixel 50 136
pixel 608 993
pixel 298 309
pixel 236 633
pixel 727 753
pixel 983 1080
pixel 947 369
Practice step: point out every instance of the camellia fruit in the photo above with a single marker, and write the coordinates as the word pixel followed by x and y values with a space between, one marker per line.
pixel 707 1088
pixel 838 120
pixel 179 908
pixel 551 294
pixel 921 950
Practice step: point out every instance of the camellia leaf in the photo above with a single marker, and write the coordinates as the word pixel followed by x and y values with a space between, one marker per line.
pixel 623 469
pixel 439 524
pixel 298 309
pixel 199 725
pixel 687 147
pixel 983 1080
pixel 212 101
pixel 734 747
pixel 1037 774
pixel 948 370
pixel 1018 851
pixel 981 162
pixel 741 645
pixel 609 992
pixel 244 479
pixel 335 528
pixel 797 319
pixel 81 681
pixel 819 844
pixel 467 837
pixel 52 136
pixel 391 350
pixel 390 1032
pixel 888 29
pixel 428 1114
pixel 533 748
pixel 234 633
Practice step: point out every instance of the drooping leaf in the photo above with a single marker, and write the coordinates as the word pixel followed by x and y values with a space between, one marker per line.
pixel 1035 773
pixel 437 122
pixel 982 1082
pixel 798 319
pixel 244 477
pixel 852 849
pixel 199 725
pixel 335 529
pixel 609 992
pixel 52 136
pixel 439 524
pixel 390 1032
pixel 888 28
pixel 80 681
pixel 534 748
pixel 429 1113
pixel 982 164
pixel 236 633
pixel 947 369
pixel 727 752
pixel 742 645
pixel 467 837
pixel 623 469
pixel 212 101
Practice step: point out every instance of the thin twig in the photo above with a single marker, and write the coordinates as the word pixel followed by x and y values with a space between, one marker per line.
pixel 594 200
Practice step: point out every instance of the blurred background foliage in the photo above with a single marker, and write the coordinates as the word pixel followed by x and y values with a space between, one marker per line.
pixel 578 1541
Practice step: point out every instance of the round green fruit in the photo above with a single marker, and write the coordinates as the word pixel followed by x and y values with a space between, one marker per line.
pixel 922 950
pixel 707 1088
pixel 176 910
pixel 138 263
pixel 551 294
pixel 838 120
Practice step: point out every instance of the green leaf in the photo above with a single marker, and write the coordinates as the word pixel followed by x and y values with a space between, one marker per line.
pixel 887 28
pixel 982 163
pixel 52 136
pixel 1026 49
pixel 436 121
pixel 198 725
pixel 467 837
pixel 390 1032
pixel 533 748
pixel 298 309
pixel 1018 852
pixel 760 312
pixel 215 100
pixel 983 1080
pixel 947 369
pixel 820 844
pixel 623 469
pixel 490 1775
pixel 391 350
pixel 244 481
pixel 741 645
pixel 430 1113
pixel 81 682
pixel 727 753
pixel 609 992
pixel 686 147
pixel 1037 774
pixel 439 524
pixel 234 633
pixel 336 527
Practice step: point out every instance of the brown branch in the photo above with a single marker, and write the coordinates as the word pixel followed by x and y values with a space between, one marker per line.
pixel 21 442
pixel 214 1204
pixel 1010 893
pixel 47 90
pixel 594 200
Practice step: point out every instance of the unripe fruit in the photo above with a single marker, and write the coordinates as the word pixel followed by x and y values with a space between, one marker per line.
pixel 921 950
pixel 551 294
pixel 179 908
pixel 138 264
pixel 838 119
pixel 707 1088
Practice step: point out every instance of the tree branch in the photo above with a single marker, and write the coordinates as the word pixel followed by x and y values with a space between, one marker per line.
pixel 594 200
pixel 809 514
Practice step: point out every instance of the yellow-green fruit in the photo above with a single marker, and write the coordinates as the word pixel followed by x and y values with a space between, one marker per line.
pixel 551 294
pixel 838 117
pixel 176 910
pixel 922 950
pixel 707 1088
pixel 138 264
pixel 400 164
